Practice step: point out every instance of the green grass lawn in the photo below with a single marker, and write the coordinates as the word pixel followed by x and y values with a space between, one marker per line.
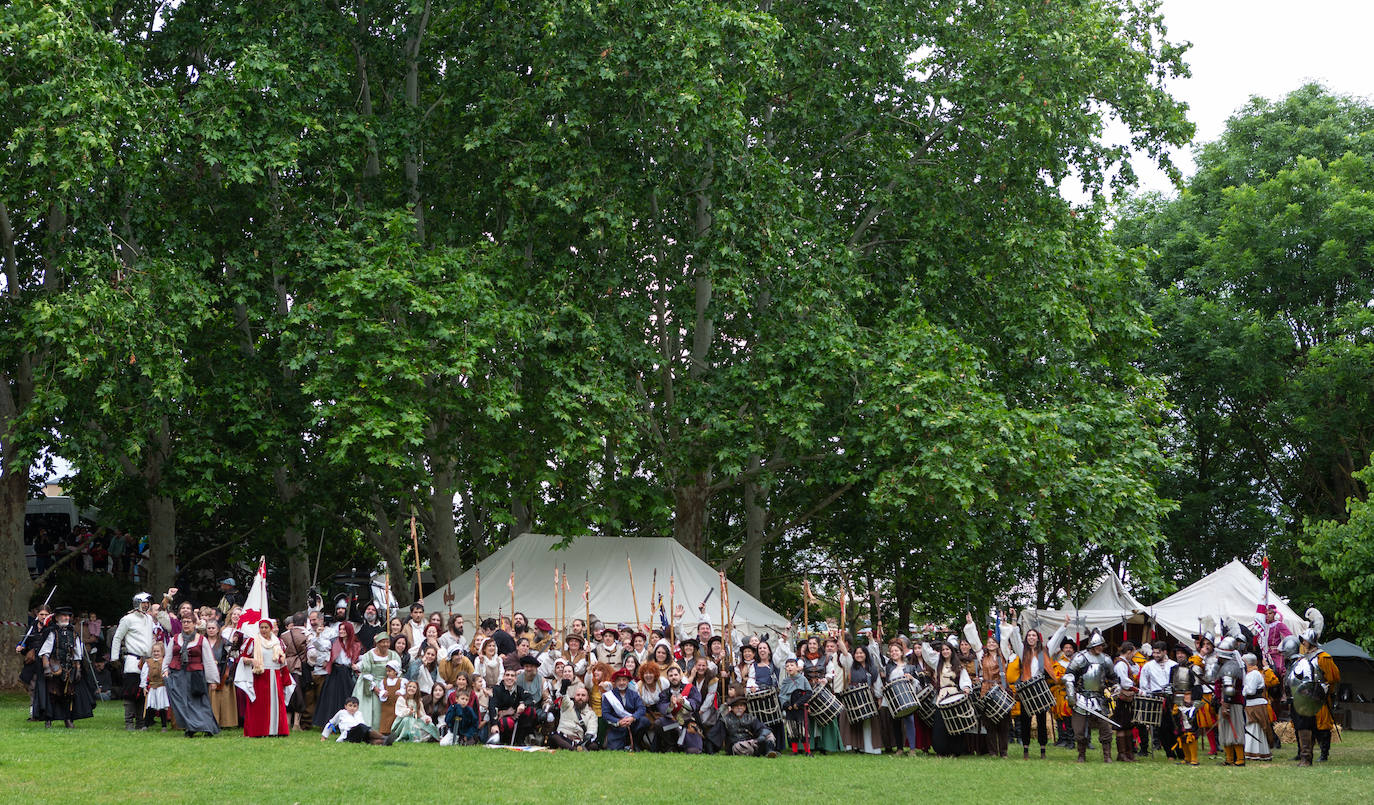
pixel 100 762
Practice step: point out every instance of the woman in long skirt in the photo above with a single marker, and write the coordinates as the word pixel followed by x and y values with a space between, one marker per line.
pixel 371 672
pixel 344 652
pixel 222 704
pixel 951 680
pixel 191 669
pixel 265 679
pixel 861 669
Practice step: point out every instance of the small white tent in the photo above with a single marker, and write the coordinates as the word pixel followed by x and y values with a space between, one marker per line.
pixel 602 561
pixel 1232 593
pixel 1106 606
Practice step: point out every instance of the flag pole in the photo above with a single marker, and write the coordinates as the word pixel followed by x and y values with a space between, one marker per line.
pixel 587 599
pixel 477 597
pixel 633 596
pixel 556 584
pixel 512 596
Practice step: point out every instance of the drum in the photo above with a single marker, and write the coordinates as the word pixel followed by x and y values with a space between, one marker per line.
pixel 925 704
pixel 1035 695
pixel 957 712
pixel 764 705
pixel 792 730
pixel 824 707
pixel 859 702
pixel 1148 710
pixel 901 697
pixel 996 705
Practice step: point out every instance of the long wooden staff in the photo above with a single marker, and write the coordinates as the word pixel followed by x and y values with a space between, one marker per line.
pixel 587 599
pixel 672 607
pixel 729 625
pixel 512 596
pixel 415 541
pixel 633 597
pixel 653 596
pixel 557 582
pixel 477 597
pixel 722 609
pixel 806 607
pixel 564 630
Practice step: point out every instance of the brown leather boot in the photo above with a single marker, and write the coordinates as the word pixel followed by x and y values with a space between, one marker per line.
pixel 1083 752
pixel 1106 752
pixel 1304 747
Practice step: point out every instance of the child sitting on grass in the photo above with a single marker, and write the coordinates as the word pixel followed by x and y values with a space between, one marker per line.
pixel 462 720
pixel 351 727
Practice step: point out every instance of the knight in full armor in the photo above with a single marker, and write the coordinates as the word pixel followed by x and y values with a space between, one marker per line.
pixel 1227 678
pixel 1085 684
pixel 1312 677
pixel 68 689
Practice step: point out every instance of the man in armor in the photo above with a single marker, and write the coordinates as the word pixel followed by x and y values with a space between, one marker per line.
pixel 1312 678
pixel 133 640
pixel 1085 684
pixel 1228 675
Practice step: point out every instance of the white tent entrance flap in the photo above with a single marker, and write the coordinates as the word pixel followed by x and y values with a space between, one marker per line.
pixel 603 561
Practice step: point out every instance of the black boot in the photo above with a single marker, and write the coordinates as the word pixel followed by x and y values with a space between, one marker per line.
pixel 1304 747
pixel 1324 739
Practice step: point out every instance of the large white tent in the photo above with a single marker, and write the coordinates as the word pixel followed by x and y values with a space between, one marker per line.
pixel 602 561
pixel 1231 593
pixel 1108 605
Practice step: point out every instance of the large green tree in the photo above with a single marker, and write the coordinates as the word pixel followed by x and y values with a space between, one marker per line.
pixel 1264 268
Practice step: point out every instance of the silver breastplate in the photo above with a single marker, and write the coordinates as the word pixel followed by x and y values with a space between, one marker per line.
pixel 1096 673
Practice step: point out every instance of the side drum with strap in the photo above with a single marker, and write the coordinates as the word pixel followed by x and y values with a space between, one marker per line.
pixel 1035 695
pixel 823 707
pixel 901 697
pixel 764 705
pixel 996 705
pixel 958 714
pixel 1148 710
pixel 859 702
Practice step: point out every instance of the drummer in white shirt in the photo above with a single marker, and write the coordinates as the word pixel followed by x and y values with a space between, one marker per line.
pixel 1154 681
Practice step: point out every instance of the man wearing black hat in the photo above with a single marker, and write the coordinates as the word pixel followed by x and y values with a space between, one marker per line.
pixel 68 690
pixel 741 733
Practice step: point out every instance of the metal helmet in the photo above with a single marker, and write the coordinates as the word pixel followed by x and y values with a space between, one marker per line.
pixel 1309 636
pixel 1097 640
pixel 1289 646
pixel 142 598
pixel 1227 644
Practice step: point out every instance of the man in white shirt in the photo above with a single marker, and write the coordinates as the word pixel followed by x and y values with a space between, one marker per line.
pixel 1154 682
pixel 133 639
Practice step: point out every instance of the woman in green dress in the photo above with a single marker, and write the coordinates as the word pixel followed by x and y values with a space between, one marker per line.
pixel 371 672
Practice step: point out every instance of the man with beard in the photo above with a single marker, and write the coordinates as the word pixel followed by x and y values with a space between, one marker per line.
pixel 371 625
pixel 133 641
pixel 68 690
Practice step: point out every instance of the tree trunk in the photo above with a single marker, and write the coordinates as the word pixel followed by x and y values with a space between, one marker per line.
pixel 162 543
pixel 297 564
pixel 14 571
pixel 443 540
pixel 690 512
pixel 755 521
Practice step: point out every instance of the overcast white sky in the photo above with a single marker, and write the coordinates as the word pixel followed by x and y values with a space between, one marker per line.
pixel 1262 47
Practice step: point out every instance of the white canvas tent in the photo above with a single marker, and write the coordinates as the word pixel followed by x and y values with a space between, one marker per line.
pixel 1109 605
pixel 602 560
pixel 1231 593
